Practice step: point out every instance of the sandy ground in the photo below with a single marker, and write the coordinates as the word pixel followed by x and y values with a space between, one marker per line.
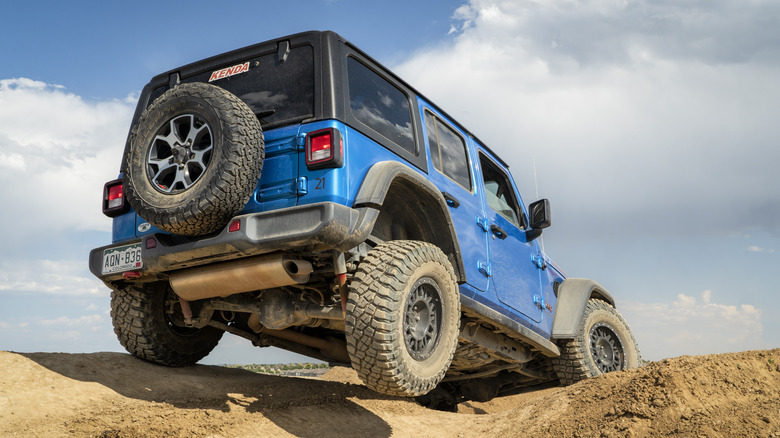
pixel 117 395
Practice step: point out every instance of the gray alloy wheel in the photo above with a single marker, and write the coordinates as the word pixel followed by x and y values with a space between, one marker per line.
pixel 422 319
pixel 606 348
pixel 180 153
pixel 403 318
pixel 604 343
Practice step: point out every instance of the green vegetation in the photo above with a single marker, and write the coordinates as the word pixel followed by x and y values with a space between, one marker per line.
pixel 280 369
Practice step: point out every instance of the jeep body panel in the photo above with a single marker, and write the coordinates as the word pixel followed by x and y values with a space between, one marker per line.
pixel 379 181
pixel 324 225
pixel 463 199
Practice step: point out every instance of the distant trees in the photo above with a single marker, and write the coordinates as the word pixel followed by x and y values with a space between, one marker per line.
pixel 280 369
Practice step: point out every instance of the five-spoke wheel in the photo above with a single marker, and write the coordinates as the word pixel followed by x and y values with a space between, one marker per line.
pixel 180 153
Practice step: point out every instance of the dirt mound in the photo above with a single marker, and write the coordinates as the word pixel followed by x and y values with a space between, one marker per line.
pixel 117 395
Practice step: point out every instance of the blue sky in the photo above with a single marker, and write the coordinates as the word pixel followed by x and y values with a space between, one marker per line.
pixel 97 49
pixel 652 126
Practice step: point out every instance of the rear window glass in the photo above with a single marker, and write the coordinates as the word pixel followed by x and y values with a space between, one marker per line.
pixel 380 105
pixel 277 90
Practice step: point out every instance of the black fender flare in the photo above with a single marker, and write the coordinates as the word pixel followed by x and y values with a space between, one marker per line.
pixel 378 182
pixel 573 296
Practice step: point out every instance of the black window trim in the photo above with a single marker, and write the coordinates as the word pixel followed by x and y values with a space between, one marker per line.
pixel 419 158
pixel 510 182
pixel 465 146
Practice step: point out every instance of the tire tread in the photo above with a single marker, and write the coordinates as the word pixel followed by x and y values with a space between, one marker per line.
pixel 236 175
pixel 140 328
pixel 374 312
pixel 572 365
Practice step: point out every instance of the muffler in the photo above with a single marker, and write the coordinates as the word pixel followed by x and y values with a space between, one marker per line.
pixel 239 276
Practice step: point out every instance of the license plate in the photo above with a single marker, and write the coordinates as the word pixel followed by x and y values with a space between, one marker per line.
pixel 122 258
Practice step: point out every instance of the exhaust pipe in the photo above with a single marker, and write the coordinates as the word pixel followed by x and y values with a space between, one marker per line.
pixel 329 347
pixel 245 275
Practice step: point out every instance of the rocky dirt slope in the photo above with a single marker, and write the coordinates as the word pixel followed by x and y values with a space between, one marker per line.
pixel 116 395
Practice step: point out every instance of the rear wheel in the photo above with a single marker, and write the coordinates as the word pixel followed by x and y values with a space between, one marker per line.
pixel 403 316
pixel 149 323
pixel 604 343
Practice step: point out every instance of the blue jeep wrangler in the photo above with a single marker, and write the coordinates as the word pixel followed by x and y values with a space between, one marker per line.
pixel 298 194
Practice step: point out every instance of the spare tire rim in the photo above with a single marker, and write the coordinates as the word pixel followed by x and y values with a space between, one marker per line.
pixel 422 319
pixel 180 153
pixel 606 348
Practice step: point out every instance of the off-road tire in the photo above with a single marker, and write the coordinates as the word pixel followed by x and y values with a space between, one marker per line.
pixel 212 178
pixel 147 331
pixel 403 317
pixel 584 356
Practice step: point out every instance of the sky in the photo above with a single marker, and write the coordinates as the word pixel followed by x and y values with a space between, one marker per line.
pixel 650 125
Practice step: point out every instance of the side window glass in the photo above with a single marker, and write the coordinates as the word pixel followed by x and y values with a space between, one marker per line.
pixel 433 141
pixel 380 105
pixel 448 151
pixel 498 191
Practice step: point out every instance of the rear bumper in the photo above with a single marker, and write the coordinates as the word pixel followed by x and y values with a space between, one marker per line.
pixel 312 227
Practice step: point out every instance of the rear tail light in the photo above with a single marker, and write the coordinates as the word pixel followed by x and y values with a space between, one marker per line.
pixel 324 148
pixel 114 199
pixel 115 196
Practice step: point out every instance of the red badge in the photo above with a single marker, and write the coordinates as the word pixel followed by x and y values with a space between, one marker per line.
pixel 230 71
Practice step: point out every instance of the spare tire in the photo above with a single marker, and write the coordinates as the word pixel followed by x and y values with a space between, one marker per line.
pixel 193 160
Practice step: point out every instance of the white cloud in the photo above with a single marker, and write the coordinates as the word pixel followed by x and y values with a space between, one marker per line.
pixel 755 248
pixel 12 162
pixel 641 122
pixel 86 321
pixel 59 277
pixel 69 336
pixel 693 326
pixel 56 152
pixel 64 326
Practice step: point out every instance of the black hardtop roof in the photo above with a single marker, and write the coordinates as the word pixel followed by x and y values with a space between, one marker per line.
pixel 315 37
pixel 236 55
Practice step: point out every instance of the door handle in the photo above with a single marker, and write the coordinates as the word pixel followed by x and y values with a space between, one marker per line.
pixel 451 200
pixel 498 231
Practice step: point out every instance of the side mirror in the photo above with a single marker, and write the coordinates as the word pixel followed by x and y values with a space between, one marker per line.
pixel 539 213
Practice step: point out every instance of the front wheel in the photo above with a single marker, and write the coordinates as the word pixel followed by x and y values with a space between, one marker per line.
pixel 604 343
pixel 403 316
pixel 149 323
